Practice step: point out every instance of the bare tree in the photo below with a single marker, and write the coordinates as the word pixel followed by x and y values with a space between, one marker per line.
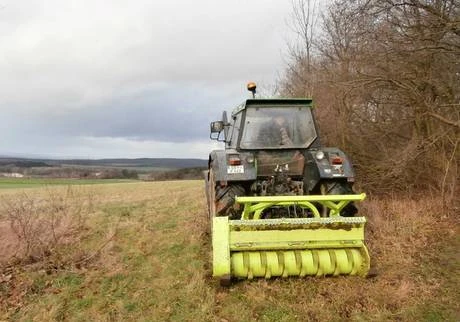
pixel 303 23
pixel 386 78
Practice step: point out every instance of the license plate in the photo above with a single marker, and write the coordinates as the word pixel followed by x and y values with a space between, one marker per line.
pixel 235 169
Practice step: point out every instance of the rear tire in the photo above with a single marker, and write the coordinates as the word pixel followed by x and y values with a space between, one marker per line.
pixel 225 200
pixel 338 188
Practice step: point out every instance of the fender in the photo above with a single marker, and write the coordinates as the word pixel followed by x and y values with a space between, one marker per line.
pixel 218 163
pixel 318 169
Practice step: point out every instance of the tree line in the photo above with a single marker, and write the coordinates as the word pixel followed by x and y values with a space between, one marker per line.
pixel 385 78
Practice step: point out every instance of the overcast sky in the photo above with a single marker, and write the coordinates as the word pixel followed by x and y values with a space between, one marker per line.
pixel 130 78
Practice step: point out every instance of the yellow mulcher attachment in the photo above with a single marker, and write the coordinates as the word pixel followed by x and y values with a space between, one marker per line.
pixel 254 247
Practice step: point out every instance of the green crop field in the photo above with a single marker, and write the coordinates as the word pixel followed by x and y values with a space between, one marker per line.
pixel 10 183
pixel 143 254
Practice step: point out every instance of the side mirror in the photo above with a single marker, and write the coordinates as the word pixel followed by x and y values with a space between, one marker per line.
pixel 216 128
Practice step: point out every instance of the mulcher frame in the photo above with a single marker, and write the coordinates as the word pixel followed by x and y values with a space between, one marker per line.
pixel 254 206
pixel 318 234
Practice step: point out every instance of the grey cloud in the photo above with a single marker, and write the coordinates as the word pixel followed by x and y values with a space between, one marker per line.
pixel 171 114
pixel 156 71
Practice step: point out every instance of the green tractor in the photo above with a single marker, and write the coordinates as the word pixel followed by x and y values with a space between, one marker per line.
pixel 281 204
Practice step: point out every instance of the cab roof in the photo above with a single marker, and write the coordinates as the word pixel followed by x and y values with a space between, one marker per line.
pixel 272 102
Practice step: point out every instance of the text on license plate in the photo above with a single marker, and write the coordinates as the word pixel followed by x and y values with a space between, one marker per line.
pixel 235 169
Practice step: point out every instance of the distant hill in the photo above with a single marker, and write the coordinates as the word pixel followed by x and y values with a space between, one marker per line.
pixel 22 163
pixel 171 163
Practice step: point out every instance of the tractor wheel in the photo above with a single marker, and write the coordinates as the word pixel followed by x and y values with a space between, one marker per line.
pixel 338 188
pixel 211 193
pixel 225 200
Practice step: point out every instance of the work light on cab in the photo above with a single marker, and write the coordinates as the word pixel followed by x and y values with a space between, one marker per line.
pixel 252 88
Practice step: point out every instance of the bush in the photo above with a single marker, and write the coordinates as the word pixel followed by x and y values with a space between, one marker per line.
pixel 45 230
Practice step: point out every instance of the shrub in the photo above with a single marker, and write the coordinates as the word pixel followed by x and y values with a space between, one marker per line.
pixel 46 229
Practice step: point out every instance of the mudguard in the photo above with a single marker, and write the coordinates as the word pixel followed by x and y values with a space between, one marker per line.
pixel 317 170
pixel 220 168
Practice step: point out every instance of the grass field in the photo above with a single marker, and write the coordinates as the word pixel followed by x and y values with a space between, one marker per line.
pixel 149 253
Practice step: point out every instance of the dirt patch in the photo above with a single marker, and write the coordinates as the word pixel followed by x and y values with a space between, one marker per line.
pixel 9 243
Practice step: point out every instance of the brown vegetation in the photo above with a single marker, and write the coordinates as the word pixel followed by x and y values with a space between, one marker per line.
pixel 385 79
pixel 40 234
pixel 43 230
pixel 157 266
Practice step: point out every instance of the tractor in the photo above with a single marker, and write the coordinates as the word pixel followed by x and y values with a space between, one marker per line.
pixel 280 203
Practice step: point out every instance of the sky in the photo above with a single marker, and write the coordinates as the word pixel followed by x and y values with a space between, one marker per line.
pixel 130 78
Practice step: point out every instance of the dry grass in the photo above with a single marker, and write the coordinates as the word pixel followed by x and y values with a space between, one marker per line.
pixel 155 266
